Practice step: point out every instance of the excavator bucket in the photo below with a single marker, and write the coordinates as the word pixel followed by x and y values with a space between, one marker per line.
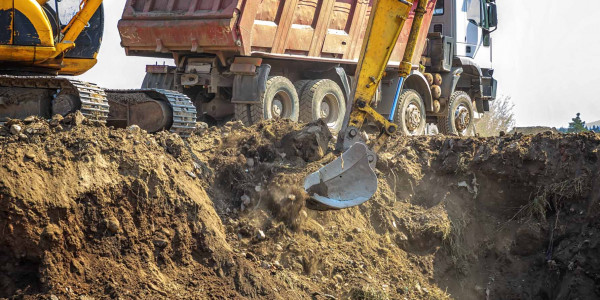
pixel 347 181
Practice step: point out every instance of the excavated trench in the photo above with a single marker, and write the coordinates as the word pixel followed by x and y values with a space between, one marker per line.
pixel 91 212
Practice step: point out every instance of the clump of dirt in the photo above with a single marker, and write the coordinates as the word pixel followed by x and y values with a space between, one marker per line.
pixel 90 211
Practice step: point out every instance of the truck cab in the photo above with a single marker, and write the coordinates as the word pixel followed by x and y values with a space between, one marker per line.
pixel 460 50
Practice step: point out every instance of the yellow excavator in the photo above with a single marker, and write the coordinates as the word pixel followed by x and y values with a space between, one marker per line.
pixel 350 180
pixel 40 40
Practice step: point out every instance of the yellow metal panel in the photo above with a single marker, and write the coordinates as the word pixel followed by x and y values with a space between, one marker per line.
pixel 37 17
pixel 76 66
pixel 25 53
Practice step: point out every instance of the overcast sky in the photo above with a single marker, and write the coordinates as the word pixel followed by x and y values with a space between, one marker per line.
pixel 546 57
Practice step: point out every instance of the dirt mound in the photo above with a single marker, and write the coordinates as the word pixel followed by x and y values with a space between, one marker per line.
pixel 88 211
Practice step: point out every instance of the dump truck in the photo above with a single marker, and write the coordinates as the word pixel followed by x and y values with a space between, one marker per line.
pixel 296 59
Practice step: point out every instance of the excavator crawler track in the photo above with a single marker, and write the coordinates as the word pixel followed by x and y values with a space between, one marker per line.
pixel 183 110
pixel 91 99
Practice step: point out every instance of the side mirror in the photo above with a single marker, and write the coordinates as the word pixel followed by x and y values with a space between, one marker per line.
pixel 492 15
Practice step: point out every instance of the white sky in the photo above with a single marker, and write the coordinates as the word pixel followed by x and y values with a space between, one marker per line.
pixel 546 57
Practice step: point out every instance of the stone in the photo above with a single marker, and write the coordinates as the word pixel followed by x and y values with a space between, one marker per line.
pixel 113 225
pixel 191 174
pixel 339 278
pixel 15 129
pixel 357 230
pixel 161 243
pixel 53 297
pixel 303 214
pixel 250 162
pixel 29 119
pixel 134 128
pixel 277 265
pixel 278 247
pixel 258 188
pixel 30 155
pixel 265 265
pixel 261 235
pixel 246 199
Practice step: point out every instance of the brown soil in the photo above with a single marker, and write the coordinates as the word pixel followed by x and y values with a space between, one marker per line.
pixel 92 212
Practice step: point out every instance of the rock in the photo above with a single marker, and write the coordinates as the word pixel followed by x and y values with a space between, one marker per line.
pixel 277 265
pixel 52 233
pixel 30 155
pixel 303 214
pixel 191 174
pixel 29 119
pixel 75 118
pixel 265 265
pixel 58 117
pixel 310 143
pixel 23 137
pixel 261 235
pixel 53 297
pixel 246 199
pixel 258 188
pixel 201 125
pixel 278 247
pixel 339 278
pixel 418 287
pixel 113 225
pixel 134 128
pixel 250 162
pixel 161 243
pixel 15 129
pixel 357 230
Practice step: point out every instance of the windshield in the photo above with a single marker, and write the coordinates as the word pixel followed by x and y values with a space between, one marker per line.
pixel 66 9
pixel 474 11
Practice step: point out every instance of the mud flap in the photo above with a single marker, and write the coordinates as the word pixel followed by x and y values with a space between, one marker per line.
pixel 347 181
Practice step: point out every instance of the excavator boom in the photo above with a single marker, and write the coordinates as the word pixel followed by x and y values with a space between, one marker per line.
pixel 350 180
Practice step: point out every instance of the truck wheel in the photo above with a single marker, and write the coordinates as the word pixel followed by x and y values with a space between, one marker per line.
pixel 280 100
pixel 323 99
pixel 459 117
pixel 410 113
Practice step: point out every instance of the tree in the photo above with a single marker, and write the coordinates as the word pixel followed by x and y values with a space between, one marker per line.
pixel 577 125
pixel 500 117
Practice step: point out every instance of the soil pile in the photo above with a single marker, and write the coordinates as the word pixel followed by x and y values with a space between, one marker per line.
pixel 88 212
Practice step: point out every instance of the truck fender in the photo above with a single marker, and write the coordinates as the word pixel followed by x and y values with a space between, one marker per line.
pixel 470 66
pixel 449 81
pixel 344 81
pixel 249 88
pixel 417 81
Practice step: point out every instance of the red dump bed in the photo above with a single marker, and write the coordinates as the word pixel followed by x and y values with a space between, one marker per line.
pixel 294 29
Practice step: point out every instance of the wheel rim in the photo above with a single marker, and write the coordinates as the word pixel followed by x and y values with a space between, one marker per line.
pixel 413 118
pixel 281 107
pixel 462 119
pixel 329 110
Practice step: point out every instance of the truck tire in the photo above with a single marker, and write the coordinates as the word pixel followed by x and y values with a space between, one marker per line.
pixel 304 115
pixel 323 99
pixel 410 113
pixel 280 100
pixel 458 119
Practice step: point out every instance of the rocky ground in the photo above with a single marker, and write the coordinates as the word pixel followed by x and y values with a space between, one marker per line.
pixel 89 212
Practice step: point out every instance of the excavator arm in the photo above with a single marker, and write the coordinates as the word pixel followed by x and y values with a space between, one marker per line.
pixel 350 179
